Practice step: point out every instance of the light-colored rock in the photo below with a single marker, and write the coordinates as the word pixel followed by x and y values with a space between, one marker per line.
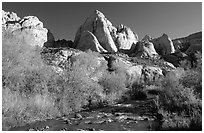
pixel 29 29
pixel 146 50
pixel 110 38
pixel 9 17
pixel 31 21
pixel 89 41
pixel 98 25
pixel 125 38
pixel 169 65
pixel 163 45
pixel 33 37
pixel 134 74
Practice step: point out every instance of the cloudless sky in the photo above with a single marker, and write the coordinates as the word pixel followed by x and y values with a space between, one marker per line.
pixel 154 19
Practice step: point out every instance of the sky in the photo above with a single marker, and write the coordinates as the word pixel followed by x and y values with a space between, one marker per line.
pixel 178 19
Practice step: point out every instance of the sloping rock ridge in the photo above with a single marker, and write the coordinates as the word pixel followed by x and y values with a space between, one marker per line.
pixel 190 43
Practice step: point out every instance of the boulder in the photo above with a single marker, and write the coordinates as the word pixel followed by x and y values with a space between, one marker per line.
pixel 125 38
pixel 101 28
pixel 163 45
pixel 89 41
pixel 145 49
pixel 137 73
pixel 134 74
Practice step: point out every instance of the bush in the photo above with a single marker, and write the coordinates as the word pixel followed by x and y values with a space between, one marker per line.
pixel 177 99
pixel 113 86
pixel 136 92
pixel 34 91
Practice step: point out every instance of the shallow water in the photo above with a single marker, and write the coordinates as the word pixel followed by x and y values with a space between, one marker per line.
pixel 129 116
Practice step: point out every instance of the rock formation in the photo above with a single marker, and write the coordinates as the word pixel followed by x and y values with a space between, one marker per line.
pixel 125 38
pixel 189 44
pixel 137 73
pixel 89 41
pixel 110 38
pixel 28 29
pixel 50 40
pixel 163 45
pixel 145 49
pixel 146 38
pixel 101 28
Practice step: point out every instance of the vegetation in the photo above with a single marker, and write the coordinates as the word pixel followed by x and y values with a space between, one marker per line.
pixel 180 101
pixel 33 90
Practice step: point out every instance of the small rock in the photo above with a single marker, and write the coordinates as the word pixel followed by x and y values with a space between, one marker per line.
pixel 90 129
pixel 88 122
pixel 31 129
pixel 47 127
pixel 100 122
pixel 78 116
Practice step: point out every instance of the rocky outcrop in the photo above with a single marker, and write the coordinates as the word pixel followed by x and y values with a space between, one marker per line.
pixel 189 44
pixel 28 29
pixel 102 28
pixel 125 38
pixel 89 41
pixel 163 45
pixel 137 73
pixel 145 49
pixel 175 58
pixel 50 40
pixel 110 38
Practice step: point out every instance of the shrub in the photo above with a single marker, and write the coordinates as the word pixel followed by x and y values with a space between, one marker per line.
pixel 136 92
pixel 177 99
pixel 113 86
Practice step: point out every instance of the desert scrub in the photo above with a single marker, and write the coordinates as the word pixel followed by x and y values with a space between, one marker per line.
pixel 113 84
pixel 176 99
pixel 34 91
pixel 193 77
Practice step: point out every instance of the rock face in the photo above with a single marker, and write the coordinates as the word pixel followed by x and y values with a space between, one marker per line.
pixel 110 38
pixel 175 58
pixel 189 44
pixel 101 28
pixel 137 73
pixel 50 39
pixel 29 29
pixel 125 38
pixel 88 40
pixel 145 48
pixel 163 45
